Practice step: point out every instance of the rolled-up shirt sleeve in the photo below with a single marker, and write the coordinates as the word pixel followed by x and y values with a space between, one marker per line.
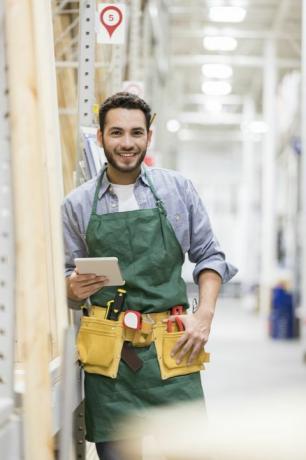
pixel 74 238
pixel 74 244
pixel 205 250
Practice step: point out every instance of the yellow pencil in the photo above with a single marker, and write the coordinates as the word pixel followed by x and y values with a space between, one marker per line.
pixel 153 118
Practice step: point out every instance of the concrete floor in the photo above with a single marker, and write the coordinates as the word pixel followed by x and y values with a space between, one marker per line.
pixel 247 364
pixel 255 388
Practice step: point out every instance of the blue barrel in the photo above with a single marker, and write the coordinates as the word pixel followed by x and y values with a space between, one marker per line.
pixel 282 314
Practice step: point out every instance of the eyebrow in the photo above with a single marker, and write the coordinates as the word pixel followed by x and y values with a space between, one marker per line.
pixel 133 129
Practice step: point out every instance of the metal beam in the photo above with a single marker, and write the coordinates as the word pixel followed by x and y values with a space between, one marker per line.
pixel 233 32
pixel 204 137
pixel 67 111
pixel 69 11
pixel 258 3
pixel 76 65
pixel 196 10
pixel 201 99
pixel 234 60
pixel 199 118
pixel 302 185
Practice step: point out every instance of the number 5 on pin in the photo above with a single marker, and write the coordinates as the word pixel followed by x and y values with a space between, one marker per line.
pixel 111 23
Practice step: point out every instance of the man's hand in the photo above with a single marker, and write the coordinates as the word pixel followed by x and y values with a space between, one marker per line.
pixel 80 287
pixel 197 329
pixel 197 326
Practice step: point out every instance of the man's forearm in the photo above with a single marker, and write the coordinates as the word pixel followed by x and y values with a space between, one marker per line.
pixel 209 288
pixel 69 292
pixel 73 303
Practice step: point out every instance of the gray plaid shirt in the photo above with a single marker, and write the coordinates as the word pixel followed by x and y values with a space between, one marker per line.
pixel 185 212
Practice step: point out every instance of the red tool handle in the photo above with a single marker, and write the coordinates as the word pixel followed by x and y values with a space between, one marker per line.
pixel 177 310
pixel 179 323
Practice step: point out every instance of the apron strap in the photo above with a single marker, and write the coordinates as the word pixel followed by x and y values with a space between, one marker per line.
pixel 96 197
pixel 158 201
pixel 160 205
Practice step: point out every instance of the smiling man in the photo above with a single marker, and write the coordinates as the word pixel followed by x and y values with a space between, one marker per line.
pixel 149 218
pixel 125 139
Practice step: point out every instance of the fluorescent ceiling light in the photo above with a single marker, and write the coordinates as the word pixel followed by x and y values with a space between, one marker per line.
pixel 173 126
pixel 217 71
pixel 216 88
pixel 220 43
pixel 227 14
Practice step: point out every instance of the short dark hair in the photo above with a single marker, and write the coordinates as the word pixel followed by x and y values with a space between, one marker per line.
pixel 124 100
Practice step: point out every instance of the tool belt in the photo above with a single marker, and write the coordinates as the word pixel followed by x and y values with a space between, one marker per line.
pixel 101 343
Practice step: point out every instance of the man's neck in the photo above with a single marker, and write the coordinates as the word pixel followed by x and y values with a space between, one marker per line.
pixel 121 178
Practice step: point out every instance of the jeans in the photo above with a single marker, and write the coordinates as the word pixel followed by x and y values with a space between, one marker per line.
pixel 117 450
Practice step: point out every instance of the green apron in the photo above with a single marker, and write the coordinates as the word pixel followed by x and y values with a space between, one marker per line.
pixel 150 259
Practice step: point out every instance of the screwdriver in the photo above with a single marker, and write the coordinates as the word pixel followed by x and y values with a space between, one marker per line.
pixel 115 307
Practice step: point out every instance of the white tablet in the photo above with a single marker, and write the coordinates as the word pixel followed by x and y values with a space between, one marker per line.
pixel 101 266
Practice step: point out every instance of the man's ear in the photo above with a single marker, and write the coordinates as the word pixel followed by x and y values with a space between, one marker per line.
pixel 100 137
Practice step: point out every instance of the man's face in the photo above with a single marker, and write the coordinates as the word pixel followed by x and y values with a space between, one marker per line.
pixel 125 139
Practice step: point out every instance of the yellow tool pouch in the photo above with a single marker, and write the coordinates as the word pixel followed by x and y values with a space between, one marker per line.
pixel 164 342
pixel 99 344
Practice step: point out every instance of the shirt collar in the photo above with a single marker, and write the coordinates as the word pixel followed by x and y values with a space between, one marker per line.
pixel 142 176
pixel 106 183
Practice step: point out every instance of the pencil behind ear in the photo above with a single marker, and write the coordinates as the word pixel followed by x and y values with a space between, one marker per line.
pixel 152 119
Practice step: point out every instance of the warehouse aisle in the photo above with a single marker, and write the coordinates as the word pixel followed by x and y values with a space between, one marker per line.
pixel 254 386
pixel 246 365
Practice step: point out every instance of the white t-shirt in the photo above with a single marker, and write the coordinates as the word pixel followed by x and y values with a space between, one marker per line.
pixel 126 197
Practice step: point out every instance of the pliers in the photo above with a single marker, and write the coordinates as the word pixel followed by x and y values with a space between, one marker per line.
pixel 179 324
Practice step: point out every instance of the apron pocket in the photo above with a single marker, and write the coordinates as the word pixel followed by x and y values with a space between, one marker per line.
pixel 99 344
pixel 164 342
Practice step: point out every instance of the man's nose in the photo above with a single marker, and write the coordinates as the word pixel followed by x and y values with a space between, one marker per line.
pixel 127 142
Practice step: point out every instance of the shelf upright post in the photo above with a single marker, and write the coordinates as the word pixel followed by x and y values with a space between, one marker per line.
pixel 10 433
pixel 119 53
pixel 86 100
pixel 268 223
pixel 134 42
pixel 302 223
pixel 7 255
pixel 86 74
pixel 249 243
pixel 117 63
pixel 146 58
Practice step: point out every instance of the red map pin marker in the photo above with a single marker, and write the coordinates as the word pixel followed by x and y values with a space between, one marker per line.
pixel 111 18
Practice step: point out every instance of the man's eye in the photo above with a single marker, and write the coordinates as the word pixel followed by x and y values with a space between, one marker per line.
pixel 115 133
pixel 138 133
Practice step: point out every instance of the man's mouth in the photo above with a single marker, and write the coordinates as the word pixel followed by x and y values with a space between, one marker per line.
pixel 126 155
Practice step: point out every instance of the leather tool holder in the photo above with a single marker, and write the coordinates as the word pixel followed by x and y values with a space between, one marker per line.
pixel 164 343
pixel 102 343
pixel 99 344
